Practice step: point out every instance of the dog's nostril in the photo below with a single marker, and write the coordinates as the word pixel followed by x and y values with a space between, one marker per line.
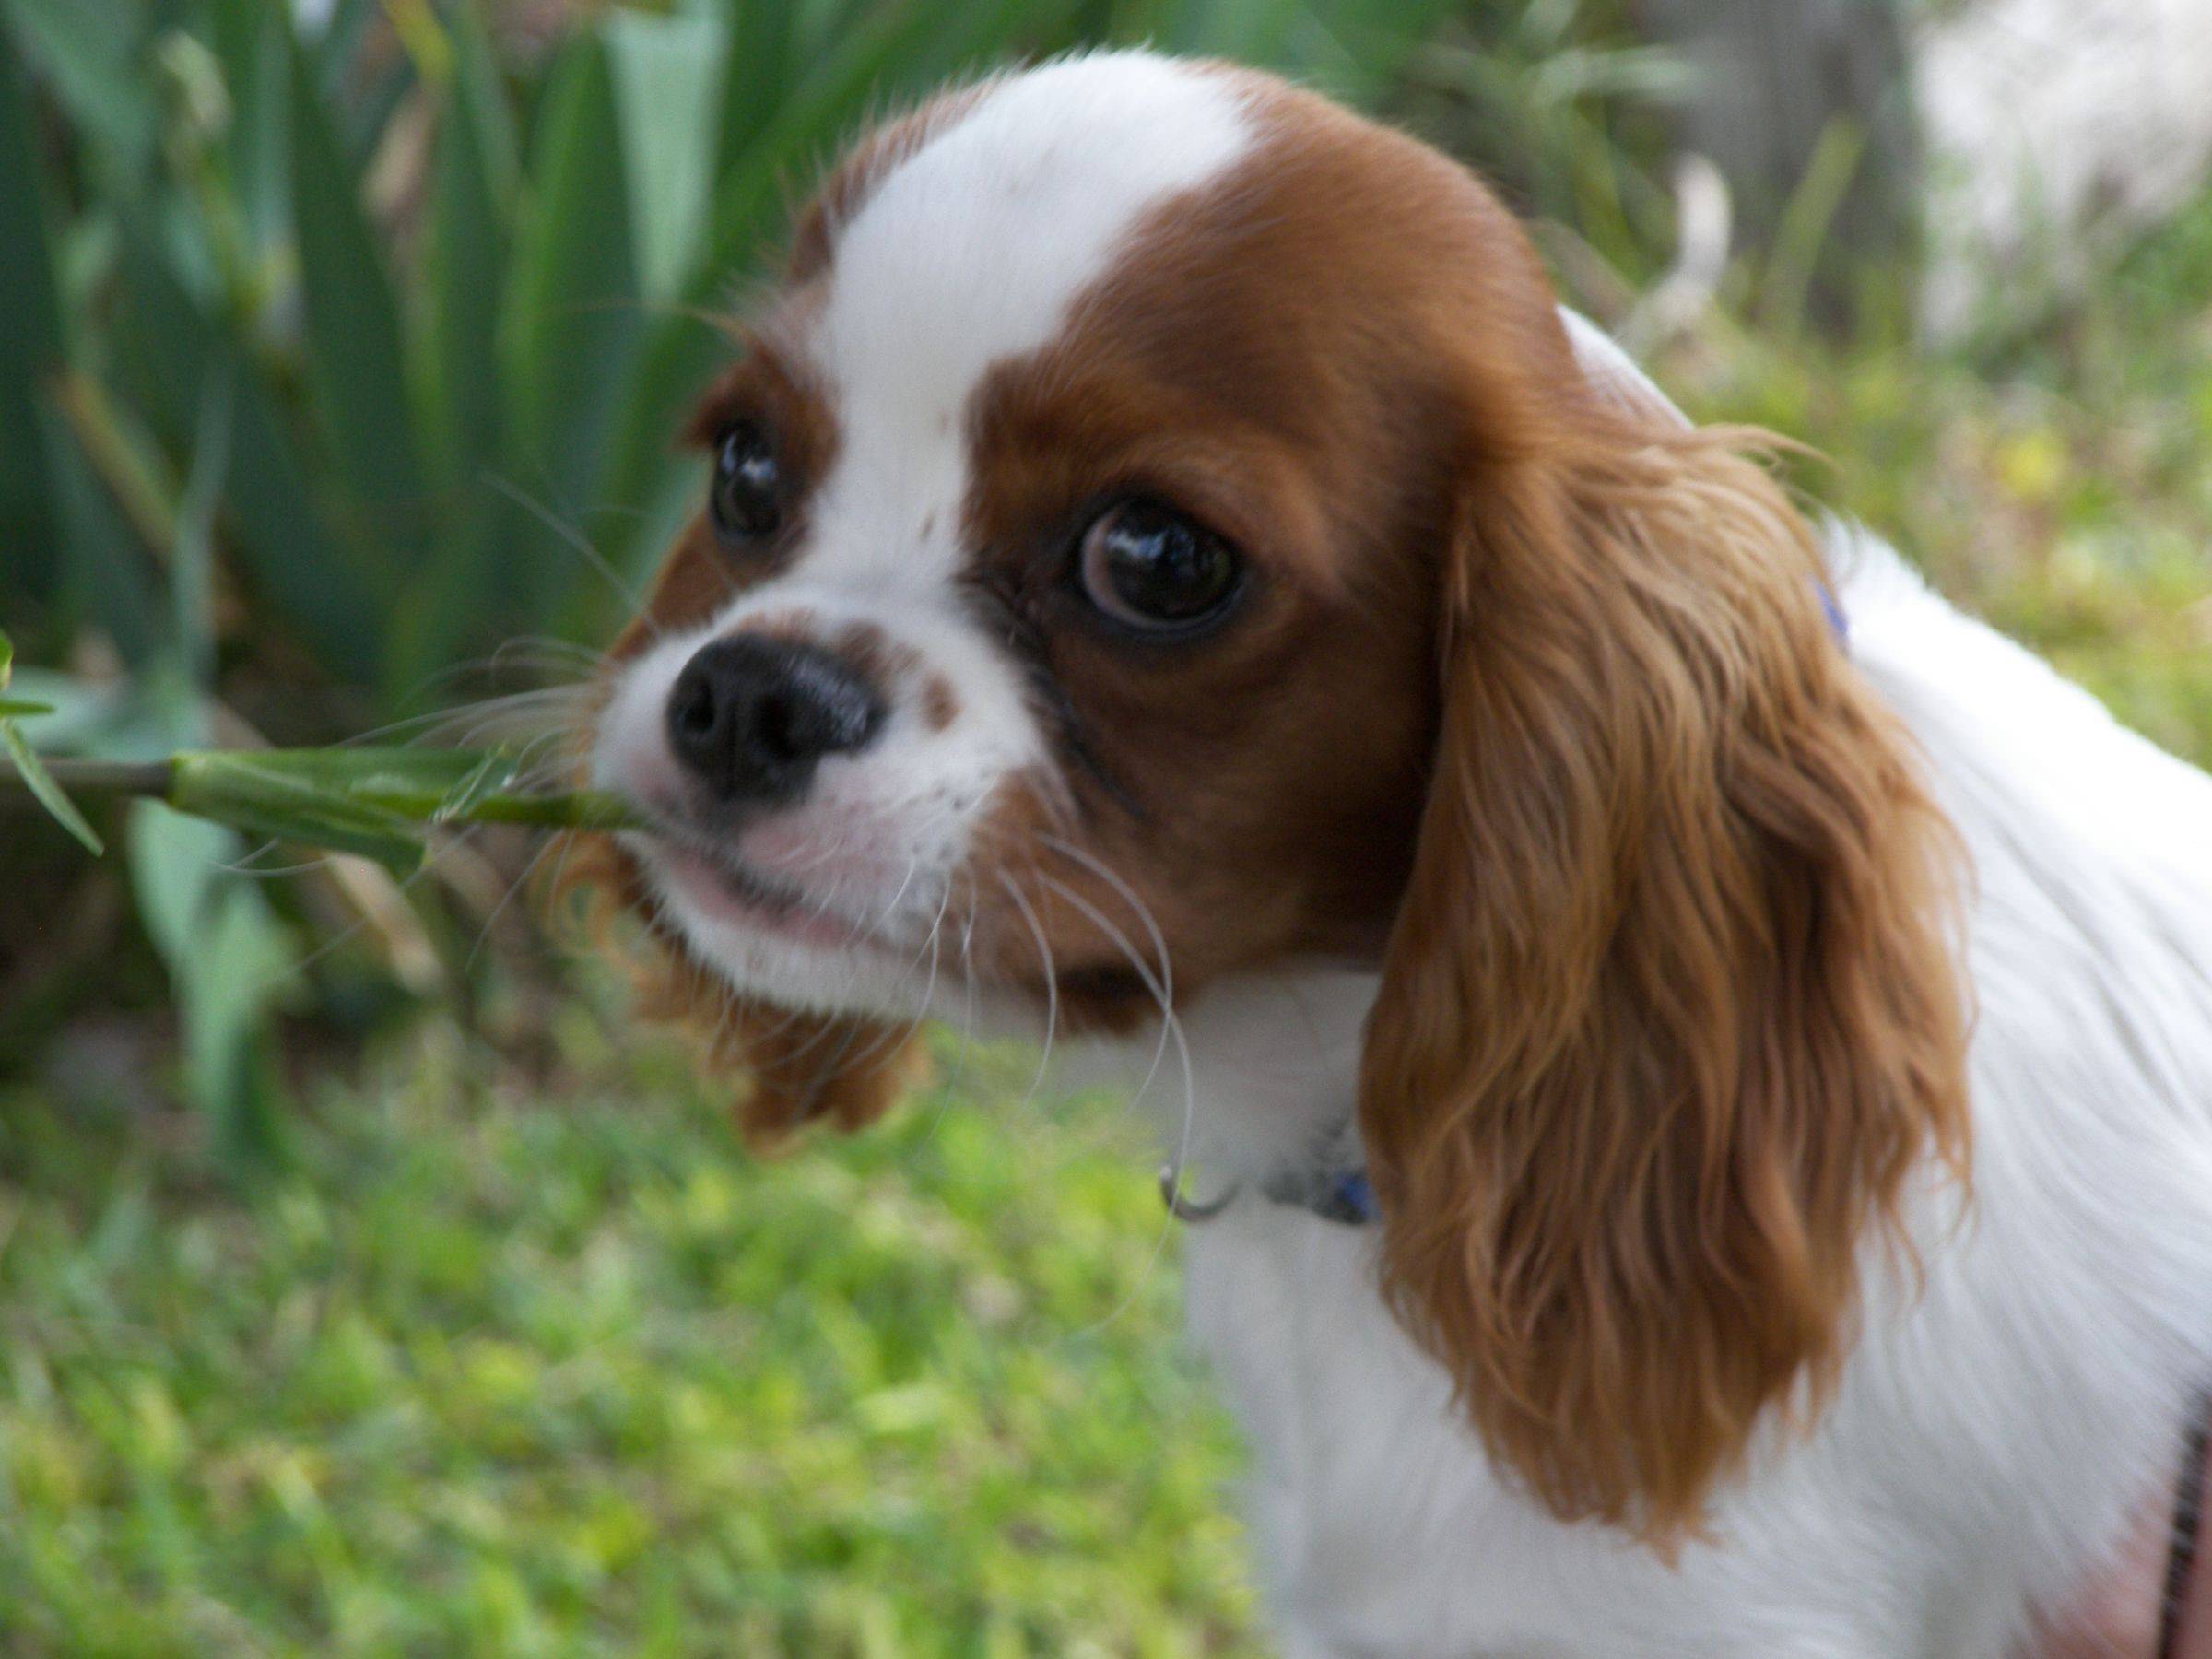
pixel 778 723
pixel 692 706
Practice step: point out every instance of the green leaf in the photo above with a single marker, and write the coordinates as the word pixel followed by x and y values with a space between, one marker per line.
pixel 290 546
pixel 18 707
pixel 1250 29
pixel 74 712
pixel 176 862
pixel 471 207
pixel 252 42
pixel 353 335
pixel 229 961
pixel 32 344
pixel 304 575
pixel 454 602
pixel 104 565
pixel 47 792
pixel 192 556
pixel 756 71
pixel 573 315
pixel 90 56
pixel 666 74
pixel 274 795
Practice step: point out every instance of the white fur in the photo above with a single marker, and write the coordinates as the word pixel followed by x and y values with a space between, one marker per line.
pixel 968 252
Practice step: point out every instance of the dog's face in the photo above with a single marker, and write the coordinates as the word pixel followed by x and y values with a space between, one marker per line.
pixel 1060 578
pixel 1158 529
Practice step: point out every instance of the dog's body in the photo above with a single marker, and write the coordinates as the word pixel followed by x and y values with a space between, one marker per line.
pixel 1171 582
pixel 1995 1432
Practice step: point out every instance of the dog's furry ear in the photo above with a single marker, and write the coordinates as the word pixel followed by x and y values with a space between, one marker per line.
pixel 1669 1010
pixel 794 1068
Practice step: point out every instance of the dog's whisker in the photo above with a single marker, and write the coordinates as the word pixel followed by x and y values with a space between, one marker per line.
pixel 1052 983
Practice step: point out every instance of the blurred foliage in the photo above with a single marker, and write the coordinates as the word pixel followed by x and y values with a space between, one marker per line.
pixel 2058 484
pixel 351 350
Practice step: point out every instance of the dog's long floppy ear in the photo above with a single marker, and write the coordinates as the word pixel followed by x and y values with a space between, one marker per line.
pixel 794 1067
pixel 1669 1010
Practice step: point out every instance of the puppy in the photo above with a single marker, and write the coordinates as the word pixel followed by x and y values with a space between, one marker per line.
pixel 1690 1063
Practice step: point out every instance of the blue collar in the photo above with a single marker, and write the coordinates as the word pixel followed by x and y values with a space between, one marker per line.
pixel 1344 1196
pixel 1833 611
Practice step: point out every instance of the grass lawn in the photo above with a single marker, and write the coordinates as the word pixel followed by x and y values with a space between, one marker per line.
pixel 524 1358
pixel 512 1365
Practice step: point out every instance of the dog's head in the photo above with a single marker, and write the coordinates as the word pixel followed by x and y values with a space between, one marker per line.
pixel 1159 530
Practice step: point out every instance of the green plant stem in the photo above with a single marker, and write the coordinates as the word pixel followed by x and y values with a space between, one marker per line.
pixel 98 777
pixel 158 780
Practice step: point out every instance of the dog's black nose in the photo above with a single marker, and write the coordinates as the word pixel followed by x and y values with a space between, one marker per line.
pixel 751 717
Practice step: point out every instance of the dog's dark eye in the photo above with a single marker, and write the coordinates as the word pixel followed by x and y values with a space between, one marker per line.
pixel 747 498
pixel 1148 567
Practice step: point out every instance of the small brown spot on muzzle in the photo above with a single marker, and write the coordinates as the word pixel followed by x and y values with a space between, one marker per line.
pixel 900 671
pixel 940 702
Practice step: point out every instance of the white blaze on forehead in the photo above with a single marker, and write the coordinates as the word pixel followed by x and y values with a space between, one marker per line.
pixel 972 250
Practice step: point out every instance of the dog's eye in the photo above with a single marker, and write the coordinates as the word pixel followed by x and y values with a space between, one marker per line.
pixel 747 498
pixel 1148 567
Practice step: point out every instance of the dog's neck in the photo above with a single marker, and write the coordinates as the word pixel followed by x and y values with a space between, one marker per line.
pixel 1257 1076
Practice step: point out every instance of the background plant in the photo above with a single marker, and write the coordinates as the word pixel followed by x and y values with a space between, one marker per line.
pixel 346 345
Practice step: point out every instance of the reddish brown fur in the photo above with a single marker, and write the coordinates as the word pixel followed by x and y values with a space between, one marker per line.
pixel 1531 698
pixel 1669 1014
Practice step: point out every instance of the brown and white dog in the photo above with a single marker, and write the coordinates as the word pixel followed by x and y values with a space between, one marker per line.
pixel 1173 582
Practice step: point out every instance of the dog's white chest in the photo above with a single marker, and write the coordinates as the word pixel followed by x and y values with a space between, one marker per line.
pixel 1379 1526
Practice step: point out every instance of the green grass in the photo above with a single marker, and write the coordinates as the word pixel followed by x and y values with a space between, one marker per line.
pixel 543 1363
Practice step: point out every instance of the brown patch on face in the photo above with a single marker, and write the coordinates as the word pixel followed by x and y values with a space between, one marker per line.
pixel 795 1069
pixel 896 672
pixel 1257 789
pixel 875 655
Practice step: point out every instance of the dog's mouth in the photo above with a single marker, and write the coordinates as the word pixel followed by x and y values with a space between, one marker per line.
pixel 717 886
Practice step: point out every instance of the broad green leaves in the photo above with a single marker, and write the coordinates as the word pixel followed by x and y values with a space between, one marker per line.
pixel 572 316
pixel 352 335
